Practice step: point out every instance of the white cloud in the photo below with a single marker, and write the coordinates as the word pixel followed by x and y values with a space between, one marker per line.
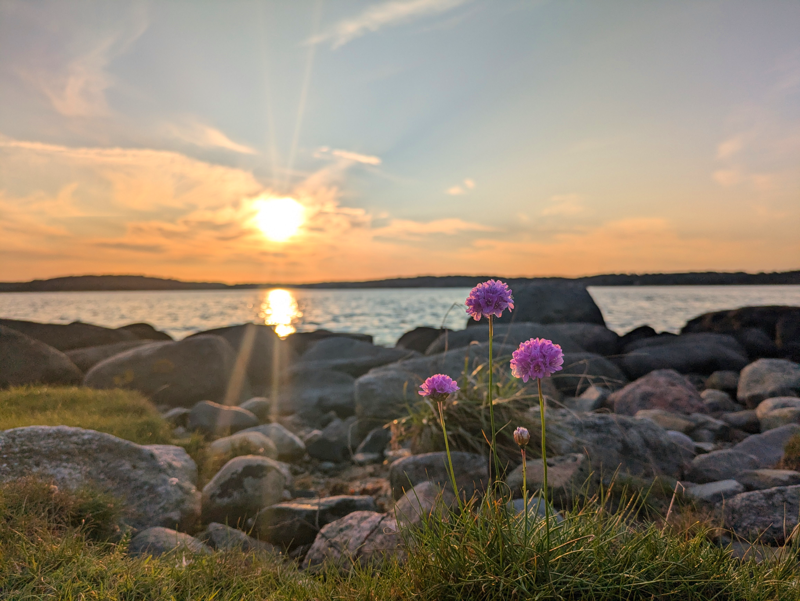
pixel 206 136
pixel 382 15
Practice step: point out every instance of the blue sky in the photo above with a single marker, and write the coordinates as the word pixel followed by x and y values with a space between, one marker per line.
pixel 420 136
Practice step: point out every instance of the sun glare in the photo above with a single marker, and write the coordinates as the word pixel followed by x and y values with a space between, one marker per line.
pixel 279 309
pixel 279 218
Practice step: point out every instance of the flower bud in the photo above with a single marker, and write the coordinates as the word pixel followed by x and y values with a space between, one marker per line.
pixel 522 437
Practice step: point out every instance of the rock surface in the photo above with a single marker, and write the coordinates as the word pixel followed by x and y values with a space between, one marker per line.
pixel 767 378
pixel 215 419
pixel 471 472
pixel 156 483
pixel 25 360
pixel 70 336
pixel 243 487
pixel 159 541
pixel 178 374
pixel 363 537
pixel 765 515
pixel 663 389
pixel 294 523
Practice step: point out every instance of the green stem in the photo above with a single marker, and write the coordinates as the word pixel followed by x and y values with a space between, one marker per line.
pixel 493 450
pixel 449 458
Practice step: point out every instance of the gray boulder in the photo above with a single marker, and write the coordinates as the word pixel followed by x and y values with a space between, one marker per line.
pixel 178 374
pixel 215 419
pixel 421 503
pixel 353 357
pixel 768 447
pixel 715 492
pixel 583 370
pixel 289 446
pixel 294 523
pixel 725 464
pixel 243 487
pixel 315 392
pixel 335 442
pixel 86 358
pixel 663 389
pixel 767 378
pixel 766 478
pixel 262 350
pixel 365 538
pixel 24 360
pixel 224 538
pixel 471 471
pixel 160 541
pixel 155 482
pixel 684 354
pixel 766 515
pixel 260 407
pixel 70 336
pixel 553 302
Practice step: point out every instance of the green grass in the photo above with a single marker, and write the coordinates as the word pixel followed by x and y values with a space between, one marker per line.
pixel 123 413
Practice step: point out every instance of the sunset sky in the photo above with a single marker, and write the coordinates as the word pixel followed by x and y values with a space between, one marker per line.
pixel 518 138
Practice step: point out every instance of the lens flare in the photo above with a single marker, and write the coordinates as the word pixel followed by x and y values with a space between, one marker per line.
pixel 279 309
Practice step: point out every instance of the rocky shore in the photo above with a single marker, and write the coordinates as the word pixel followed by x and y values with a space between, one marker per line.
pixel 316 469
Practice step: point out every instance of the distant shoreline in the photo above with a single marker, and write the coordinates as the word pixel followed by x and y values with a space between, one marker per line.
pixel 99 283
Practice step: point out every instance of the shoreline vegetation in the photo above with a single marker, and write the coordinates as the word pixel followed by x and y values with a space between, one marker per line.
pixel 98 283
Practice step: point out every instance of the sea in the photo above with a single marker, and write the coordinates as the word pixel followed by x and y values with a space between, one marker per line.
pixel 383 313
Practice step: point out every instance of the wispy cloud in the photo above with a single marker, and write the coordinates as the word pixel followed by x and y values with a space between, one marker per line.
pixel 382 15
pixel 206 136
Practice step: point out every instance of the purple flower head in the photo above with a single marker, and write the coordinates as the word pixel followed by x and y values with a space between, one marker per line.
pixel 489 298
pixel 438 387
pixel 536 358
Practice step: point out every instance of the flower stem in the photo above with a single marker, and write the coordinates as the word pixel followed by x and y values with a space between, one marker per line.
pixel 449 458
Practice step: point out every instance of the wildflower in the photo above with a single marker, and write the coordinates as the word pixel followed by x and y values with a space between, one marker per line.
pixel 438 387
pixel 536 358
pixel 522 437
pixel 489 298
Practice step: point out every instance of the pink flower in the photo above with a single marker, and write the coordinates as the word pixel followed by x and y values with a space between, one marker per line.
pixel 489 298
pixel 438 387
pixel 536 358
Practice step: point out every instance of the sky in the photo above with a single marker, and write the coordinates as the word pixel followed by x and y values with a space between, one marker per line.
pixel 414 137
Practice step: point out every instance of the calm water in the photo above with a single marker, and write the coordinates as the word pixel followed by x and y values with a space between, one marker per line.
pixel 385 314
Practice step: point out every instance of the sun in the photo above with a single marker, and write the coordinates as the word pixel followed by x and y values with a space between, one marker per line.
pixel 279 218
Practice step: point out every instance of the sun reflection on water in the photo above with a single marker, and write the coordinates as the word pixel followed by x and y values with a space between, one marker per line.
pixel 279 309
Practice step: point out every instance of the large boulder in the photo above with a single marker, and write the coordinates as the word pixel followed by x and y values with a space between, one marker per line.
pixel 216 420
pixel 160 541
pixel 155 482
pixel 419 339
pixel 24 360
pixel 353 357
pixel 294 523
pixel 316 392
pixel 362 537
pixel 471 472
pixel 288 444
pixel 178 374
pixel 690 353
pixel 767 515
pixel 144 331
pixel 583 370
pixel 260 349
pixel 768 447
pixel 508 335
pixel 87 358
pixel 767 378
pixel 243 487
pixel 662 389
pixel 553 302
pixel 66 337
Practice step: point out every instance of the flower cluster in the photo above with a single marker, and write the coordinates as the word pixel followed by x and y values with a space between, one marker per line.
pixel 489 298
pixel 536 358
pixel 438 387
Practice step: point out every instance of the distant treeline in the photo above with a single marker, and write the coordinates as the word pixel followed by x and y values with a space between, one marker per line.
pixel 86 283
